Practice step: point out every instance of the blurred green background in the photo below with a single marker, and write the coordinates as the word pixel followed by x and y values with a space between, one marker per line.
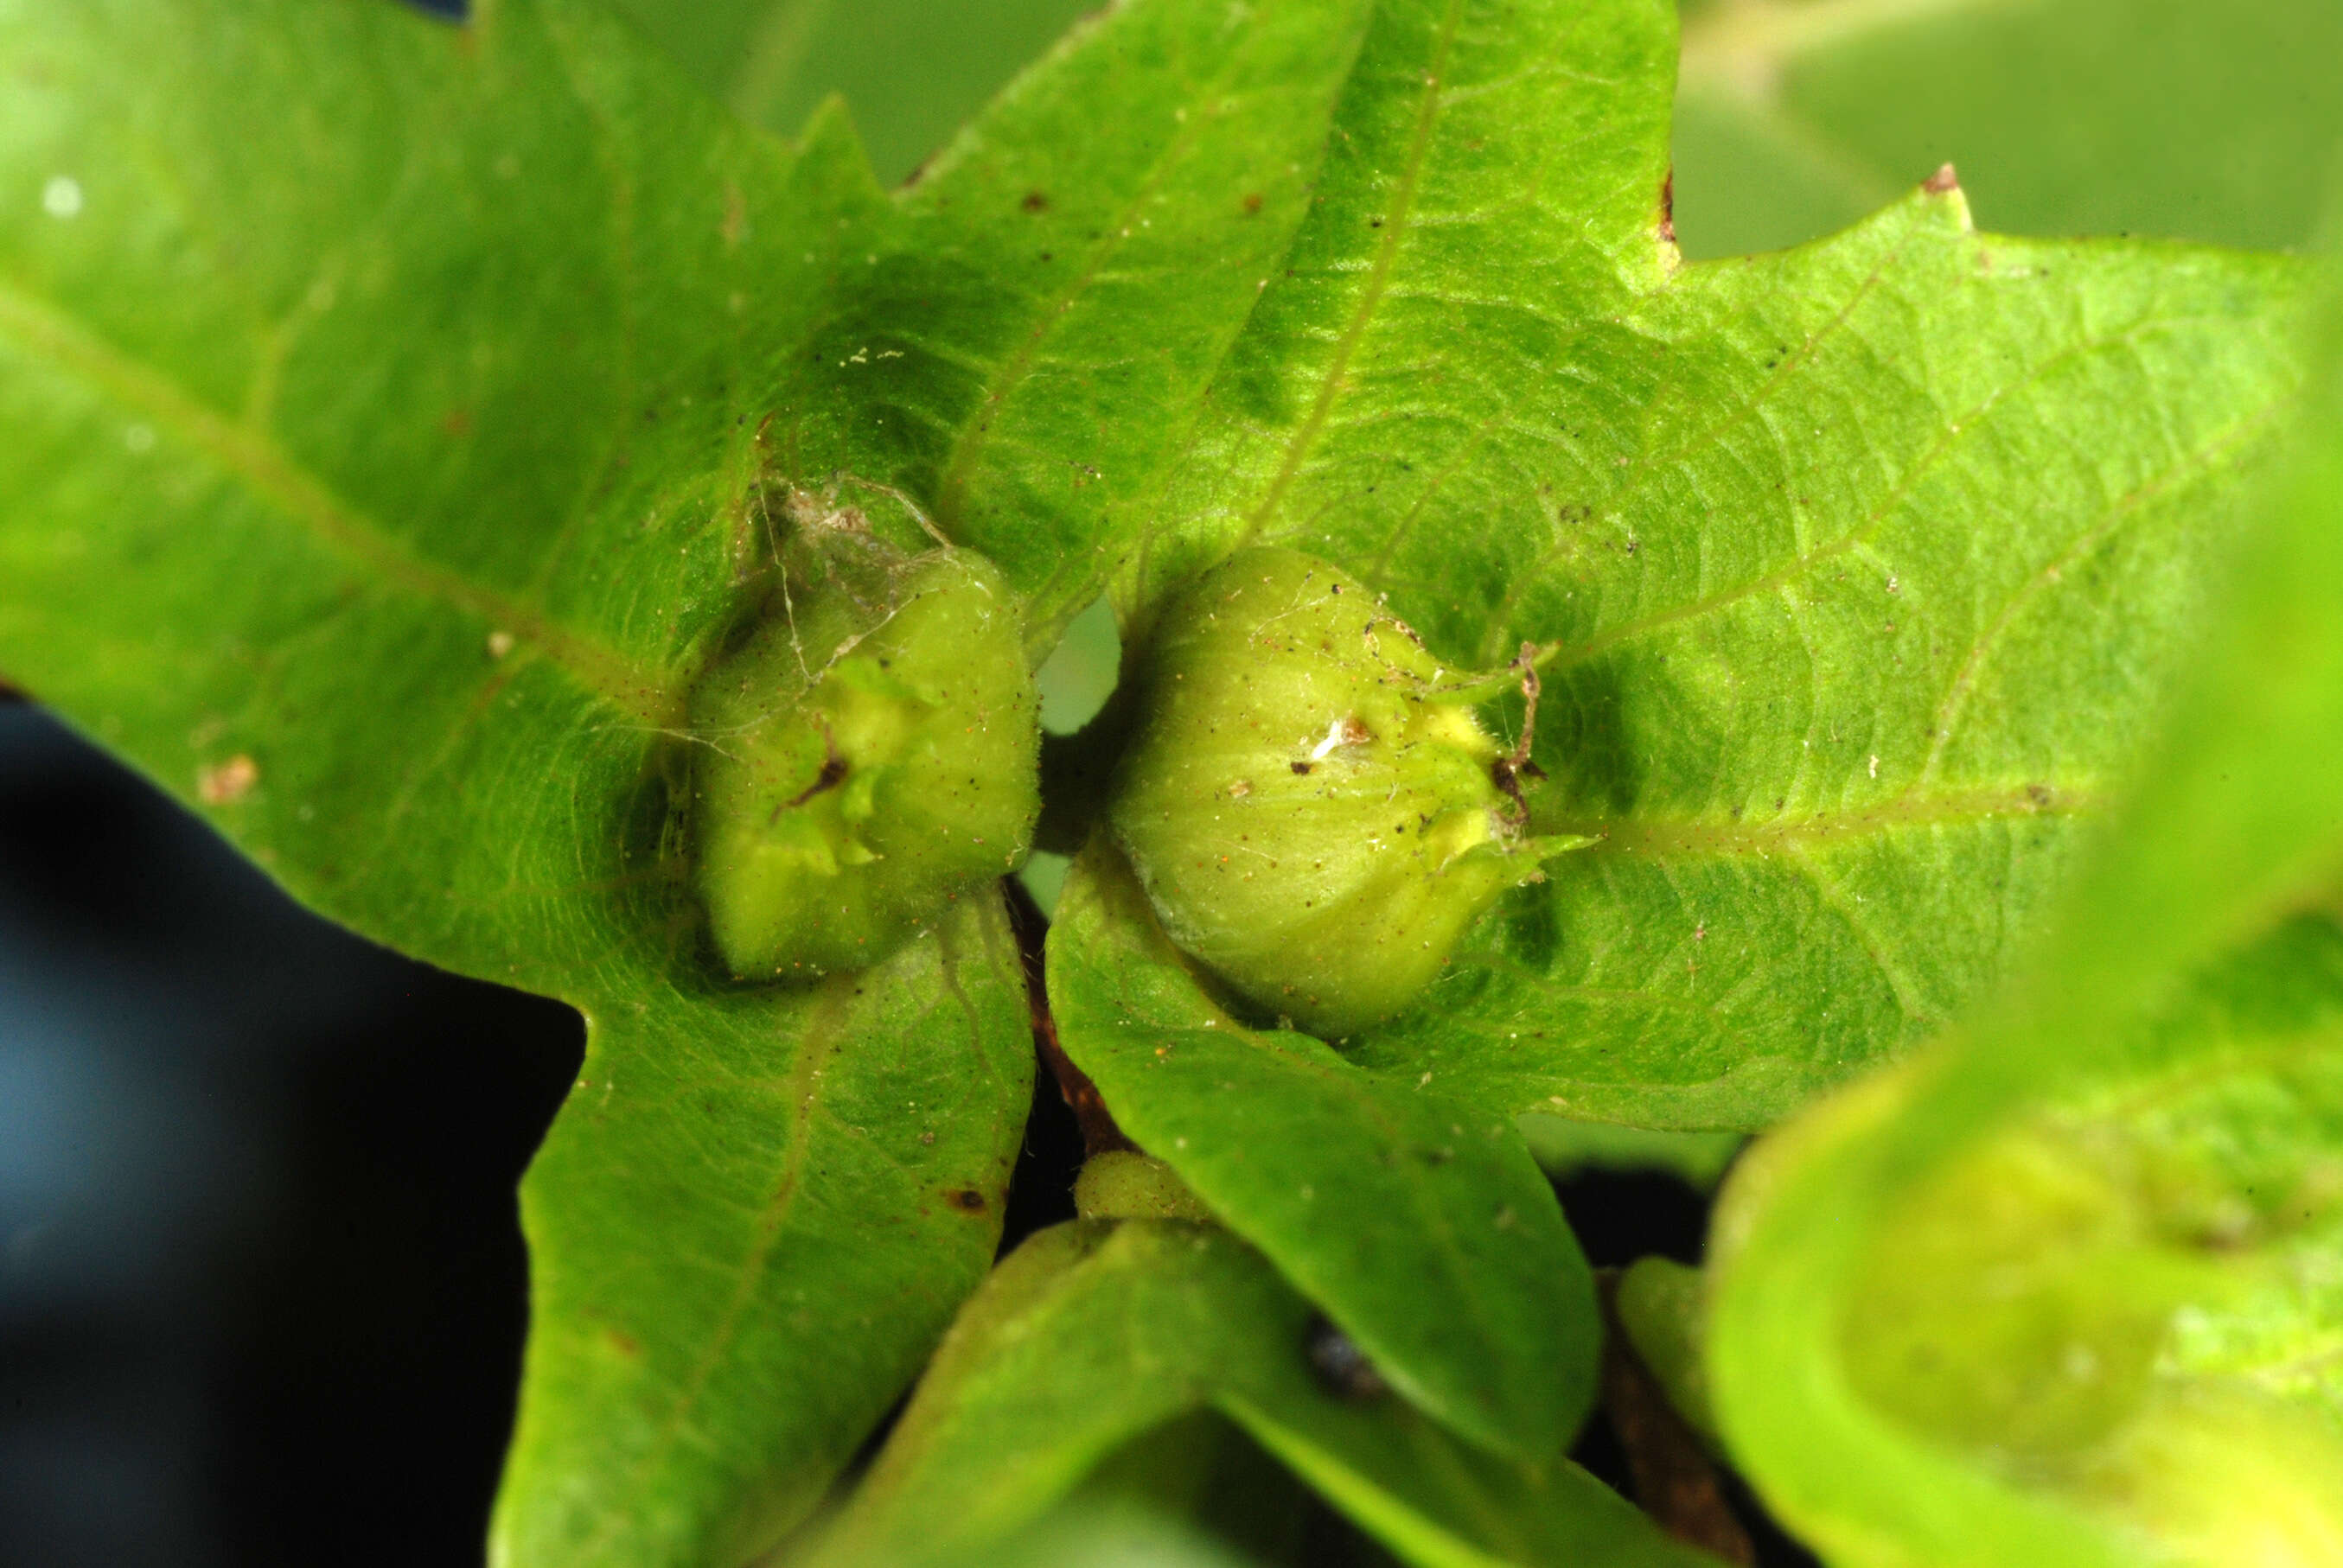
pixel 2190 119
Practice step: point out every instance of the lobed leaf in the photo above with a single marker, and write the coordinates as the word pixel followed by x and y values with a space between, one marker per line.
pixel 1030 336
pixel 1853 570
pixel 1422 1227
pixel 379 485
pixel 1839 680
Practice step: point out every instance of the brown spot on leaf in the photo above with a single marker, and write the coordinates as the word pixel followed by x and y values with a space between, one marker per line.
pixel 229 782
pixel 967 1200
pixel 1668 207
pixel 1944 179
pixel 456 423
pixel 1035 201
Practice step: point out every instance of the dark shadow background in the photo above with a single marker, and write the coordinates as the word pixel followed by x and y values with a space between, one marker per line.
pixel 261 1279
pixel 262 1286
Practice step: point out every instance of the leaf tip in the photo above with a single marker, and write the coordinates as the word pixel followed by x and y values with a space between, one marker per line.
pixel 1942 191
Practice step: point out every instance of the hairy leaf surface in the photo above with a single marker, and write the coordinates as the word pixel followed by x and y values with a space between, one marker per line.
pixel 1032 334
pixel 379 487
pixel 1853 570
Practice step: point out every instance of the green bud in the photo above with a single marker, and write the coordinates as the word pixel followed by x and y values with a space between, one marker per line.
pixel 865 755
pixel 1308 800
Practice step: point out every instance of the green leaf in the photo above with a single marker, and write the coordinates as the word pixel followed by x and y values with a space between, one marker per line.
pixel 2173 117
pixel 1030 339
pixel 750 1199
pixel 379 485
pixel 1565 1149
pixel 1493 190
pixel 1853 570
pixel 1102 1535
pixel 1095 1332
pixel 910 70
pixel 2099 1328
pixel 2064 1285
pixel 1422 1227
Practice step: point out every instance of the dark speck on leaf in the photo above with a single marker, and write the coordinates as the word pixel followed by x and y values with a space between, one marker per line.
pixel 1342 1368
pixel 968 1200
pixel 1302 768
pixel 1035 201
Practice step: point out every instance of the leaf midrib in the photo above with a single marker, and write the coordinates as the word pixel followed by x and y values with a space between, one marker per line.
pixel 1363 314
pixel 263 469
pixel 815 1045
pixel 1693 837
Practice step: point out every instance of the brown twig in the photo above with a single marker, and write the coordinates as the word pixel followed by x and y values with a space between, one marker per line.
pixel 1100 1134
pixel 1672 1477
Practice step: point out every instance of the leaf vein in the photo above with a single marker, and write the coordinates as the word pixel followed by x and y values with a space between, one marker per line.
pixel 255 459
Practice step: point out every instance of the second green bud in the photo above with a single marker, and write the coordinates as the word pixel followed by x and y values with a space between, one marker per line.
pixel 1315 811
